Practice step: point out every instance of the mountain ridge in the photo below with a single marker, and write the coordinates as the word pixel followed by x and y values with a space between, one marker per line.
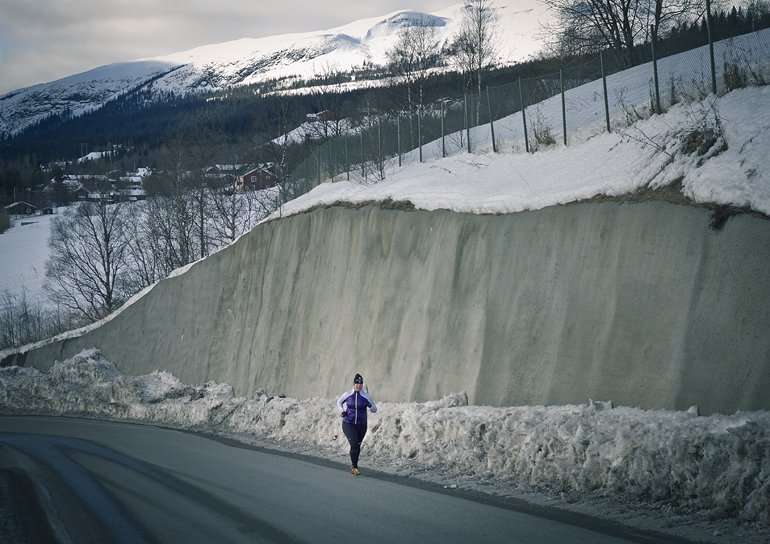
pixel 246 61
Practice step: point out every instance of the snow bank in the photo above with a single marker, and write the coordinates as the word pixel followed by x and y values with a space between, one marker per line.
pixel 719 464
pixel 730 169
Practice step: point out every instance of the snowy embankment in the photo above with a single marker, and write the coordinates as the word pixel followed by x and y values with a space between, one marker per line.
pixel 717 149
pixel 719 464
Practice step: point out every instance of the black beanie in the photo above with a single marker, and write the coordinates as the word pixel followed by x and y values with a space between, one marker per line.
pixel 358 379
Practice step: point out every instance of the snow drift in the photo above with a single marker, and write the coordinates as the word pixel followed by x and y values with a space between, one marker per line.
pixel 719 464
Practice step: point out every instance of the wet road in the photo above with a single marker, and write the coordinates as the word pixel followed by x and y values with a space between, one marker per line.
pixel 122 482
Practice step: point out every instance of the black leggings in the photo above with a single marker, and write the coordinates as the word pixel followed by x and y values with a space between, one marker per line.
pixel 355 434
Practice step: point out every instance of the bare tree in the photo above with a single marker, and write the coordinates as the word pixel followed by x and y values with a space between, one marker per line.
pixel 662 15
pixel 756 9
pixel 587 26
pixel 86 269
pixel 228 215
pixel 171 222
pixel 260 204
pixel 200 200
pixel 144 251
pixel 24 320
pixel 277 152
pixel 474 45
pixel 415 51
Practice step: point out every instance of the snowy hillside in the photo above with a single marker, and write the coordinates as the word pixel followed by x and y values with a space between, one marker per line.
pixel 608 164
pixel 77 94
pixel 251 60
pixel 648 153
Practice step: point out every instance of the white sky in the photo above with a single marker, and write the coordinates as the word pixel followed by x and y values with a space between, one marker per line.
pixel 44 40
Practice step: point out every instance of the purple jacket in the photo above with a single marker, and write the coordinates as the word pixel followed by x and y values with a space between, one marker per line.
pixel 354 404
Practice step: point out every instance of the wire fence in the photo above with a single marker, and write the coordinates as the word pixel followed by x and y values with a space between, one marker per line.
pixel 560 108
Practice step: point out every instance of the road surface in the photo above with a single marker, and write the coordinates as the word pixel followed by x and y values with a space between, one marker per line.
pixel 122 482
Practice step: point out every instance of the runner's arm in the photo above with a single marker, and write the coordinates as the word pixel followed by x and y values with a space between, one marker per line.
pixel 341 402
pixel 372 405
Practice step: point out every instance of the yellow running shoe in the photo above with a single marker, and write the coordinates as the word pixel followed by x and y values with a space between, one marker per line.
pixel 355 472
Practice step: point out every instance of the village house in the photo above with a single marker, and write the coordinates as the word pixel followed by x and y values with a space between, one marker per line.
pixel 256 177
pixel 21 208
pixel 222 174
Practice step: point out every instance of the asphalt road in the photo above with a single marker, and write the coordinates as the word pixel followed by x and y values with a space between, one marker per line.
pixel 120 482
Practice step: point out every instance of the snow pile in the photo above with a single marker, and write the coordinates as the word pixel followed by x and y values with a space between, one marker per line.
pixel 719 464
pixel 717 149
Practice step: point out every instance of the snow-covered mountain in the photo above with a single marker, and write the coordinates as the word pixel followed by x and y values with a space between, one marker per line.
pixel 252 60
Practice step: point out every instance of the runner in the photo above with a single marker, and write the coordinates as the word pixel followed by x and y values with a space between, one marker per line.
pixel 352 405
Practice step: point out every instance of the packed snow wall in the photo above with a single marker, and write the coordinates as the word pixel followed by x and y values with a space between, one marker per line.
pixel 642 303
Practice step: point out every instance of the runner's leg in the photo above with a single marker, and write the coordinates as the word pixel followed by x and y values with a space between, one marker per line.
pixel 351 433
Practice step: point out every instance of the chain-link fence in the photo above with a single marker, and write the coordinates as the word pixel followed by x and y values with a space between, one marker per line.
pixel 560 108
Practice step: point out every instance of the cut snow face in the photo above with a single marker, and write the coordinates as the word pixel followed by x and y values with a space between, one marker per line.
pixel 732 169
pixel 718 464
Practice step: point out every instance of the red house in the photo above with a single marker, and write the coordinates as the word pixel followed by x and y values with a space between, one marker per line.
pixel 255 178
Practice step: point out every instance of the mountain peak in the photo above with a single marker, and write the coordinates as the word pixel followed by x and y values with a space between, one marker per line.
pixel 252 60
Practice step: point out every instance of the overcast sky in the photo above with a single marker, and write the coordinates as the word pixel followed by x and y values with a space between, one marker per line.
pixel 44 40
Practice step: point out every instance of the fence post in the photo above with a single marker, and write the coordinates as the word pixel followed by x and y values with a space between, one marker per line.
pixel 398 137
pixel 655 70
pixel 563 107
pixel 467 128
pixel 443 145
pixel 711 48
pixel 380 162
pixel 604 86
pixel 419 129
pixel 523 117
pixel 491 123
pixel 363 157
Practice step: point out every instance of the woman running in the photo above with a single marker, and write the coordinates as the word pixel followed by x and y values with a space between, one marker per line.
pixel 352 405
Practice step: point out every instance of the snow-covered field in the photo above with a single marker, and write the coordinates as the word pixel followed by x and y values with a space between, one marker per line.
pixel 717 465
pixel 24 250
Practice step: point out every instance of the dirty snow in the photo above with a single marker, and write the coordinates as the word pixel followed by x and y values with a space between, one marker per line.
pixel 716 465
